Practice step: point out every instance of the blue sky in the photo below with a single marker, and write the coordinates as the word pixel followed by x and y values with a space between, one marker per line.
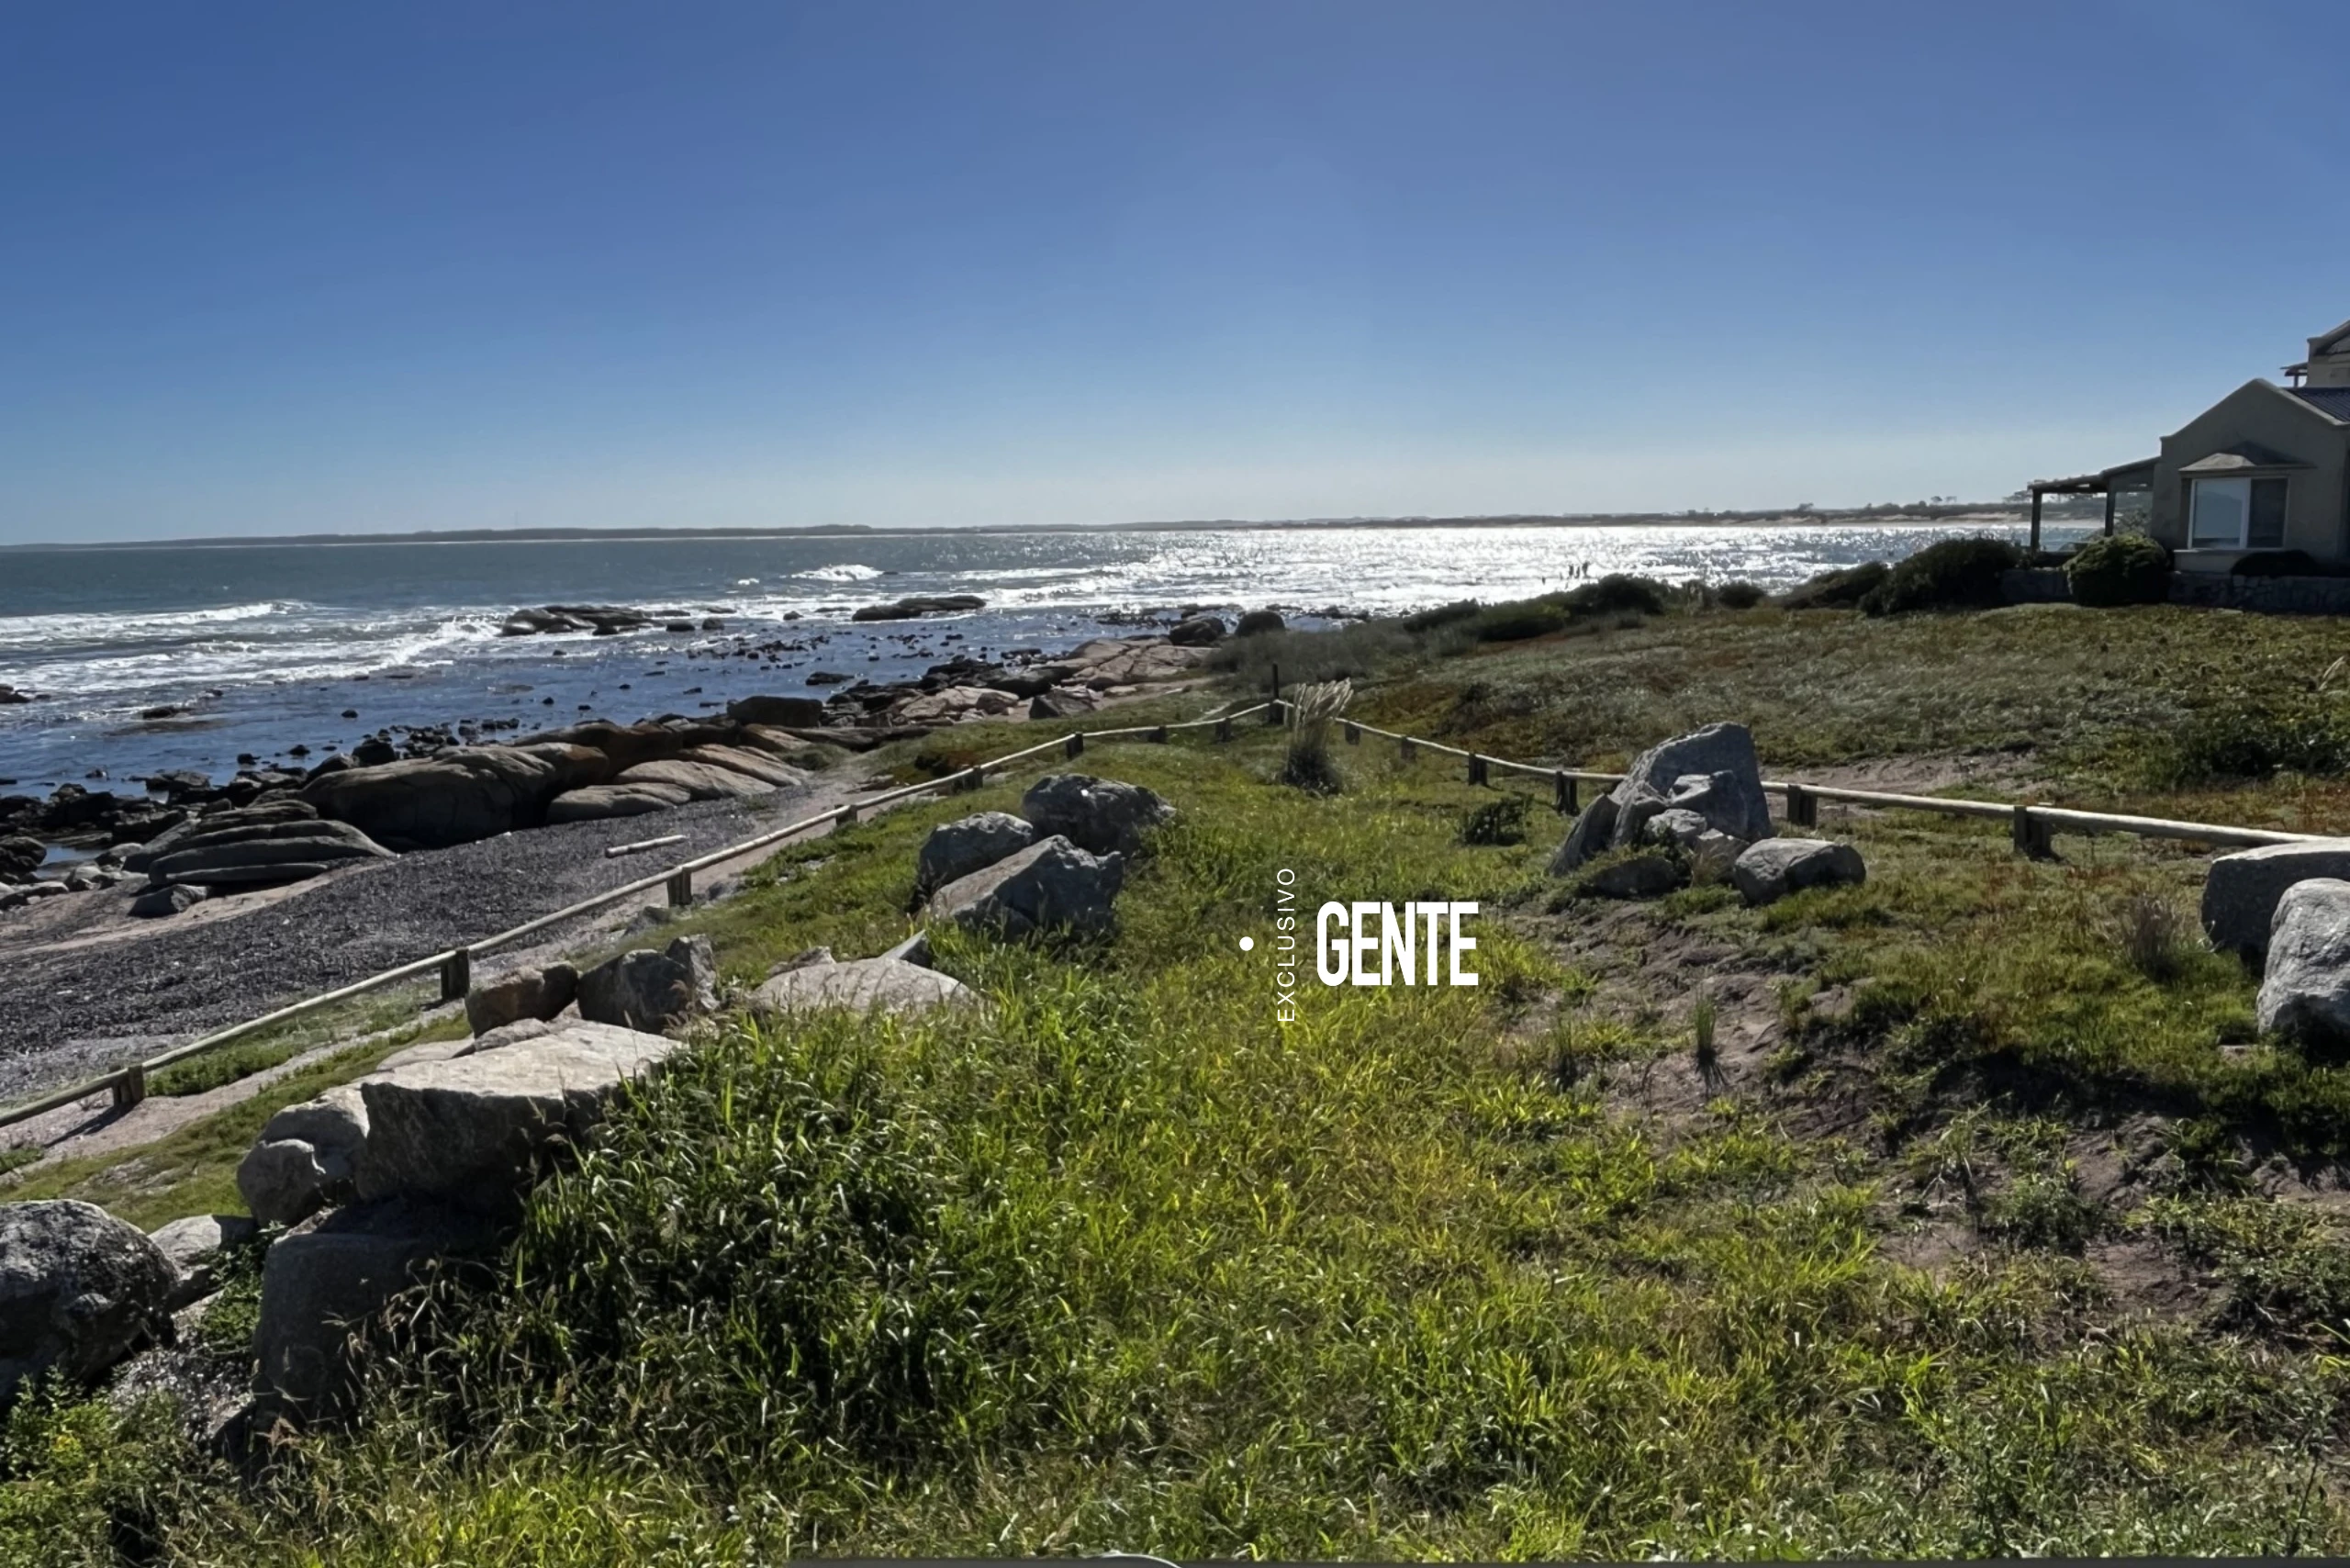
pixel 273 269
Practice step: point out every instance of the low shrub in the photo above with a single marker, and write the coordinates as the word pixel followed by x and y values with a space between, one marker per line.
pixel 1618 591
pixel 1501 821
pixel 2251 741
pixel 1308 765
pixel 1841 588
pixel 1460 609
pixel 2286 564
pixel 1517 622
pixel 2156 936
pixel 1738 596
pixel 1955 573
pixel 2127 568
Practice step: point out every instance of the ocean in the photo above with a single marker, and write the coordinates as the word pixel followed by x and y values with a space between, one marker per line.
pixel 264 647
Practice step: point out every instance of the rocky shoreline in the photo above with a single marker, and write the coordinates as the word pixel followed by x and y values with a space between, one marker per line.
pixel 187 838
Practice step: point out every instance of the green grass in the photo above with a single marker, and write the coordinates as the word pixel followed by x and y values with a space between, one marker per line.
pixel 1123 1263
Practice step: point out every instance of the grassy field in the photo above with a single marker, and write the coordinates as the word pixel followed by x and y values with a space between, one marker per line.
pixel 1963 1212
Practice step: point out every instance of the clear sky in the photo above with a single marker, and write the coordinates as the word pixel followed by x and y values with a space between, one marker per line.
pixel 298 267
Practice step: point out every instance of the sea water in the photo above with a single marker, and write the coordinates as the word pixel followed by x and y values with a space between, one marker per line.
pixel 264 647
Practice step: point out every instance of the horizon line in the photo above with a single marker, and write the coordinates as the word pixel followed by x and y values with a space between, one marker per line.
pixel 1882 513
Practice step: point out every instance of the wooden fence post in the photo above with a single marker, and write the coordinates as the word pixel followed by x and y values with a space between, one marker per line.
pixel 1403 748
pixel 130 1087
pixel 681 888
pixel 1223 729
pixel 1074 745
pixel 2033 838
pixel 1353 733
pixel 1158 735
pixel 456 975
pixel 1476 768
pixel 1562 792
pixel 1802 807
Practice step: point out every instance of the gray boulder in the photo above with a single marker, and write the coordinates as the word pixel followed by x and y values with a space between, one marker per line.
pixel 2305 983
pixel 645 990
pixel 1197 631
pixel 474 1131
pixel 458 795
pixel 324 1288
pixel 1712 772
pixel 1100 816
pixel 598 801
pixel 261 855
pixel 700 780
pixel 527 993
pixel 781 712
pixel 1063 702
pixel 956 849
pixel 192 1247
pixel 79 1291
pixel 1051 885
pixel 2240 891
pixel 861 985
pixel 752 762
pixel 158 902
pixel 1259 620
pixel 1767 872
pixel 307 1157
pixel 22 856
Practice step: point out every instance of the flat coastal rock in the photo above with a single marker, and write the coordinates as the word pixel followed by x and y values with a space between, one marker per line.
pixel 861 985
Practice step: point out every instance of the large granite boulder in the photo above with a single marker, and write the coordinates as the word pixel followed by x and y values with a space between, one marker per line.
pixel 749 761
pixel 598 801
pixel 1052 885
pixel 324 1288
pixel 623 745
pixel 1197 631
pixel 778 711
pixel 958 705
pixel 956 849
pixel 2240 891
pixel 861 985
pixel 1256 623
pixel 307 1157
pixel 651 991
pixel 921 605
pixel 224 852
pixel 21 856
pixel 1102 817
pixel 1767 872
pixel 526 993
pixel 192 1248
pixel 2305 982
pixel 1712 772
pixel 474 1131
pixel 459 795
pixel 700 780
pixel 79 1291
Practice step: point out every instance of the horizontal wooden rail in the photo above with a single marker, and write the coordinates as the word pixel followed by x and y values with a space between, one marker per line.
pixel 133 1077
pixel 2032 823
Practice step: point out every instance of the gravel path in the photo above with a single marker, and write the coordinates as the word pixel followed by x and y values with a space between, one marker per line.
pixel 77 1007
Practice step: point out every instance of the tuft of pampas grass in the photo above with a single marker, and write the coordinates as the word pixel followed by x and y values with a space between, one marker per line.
pixel 1308 766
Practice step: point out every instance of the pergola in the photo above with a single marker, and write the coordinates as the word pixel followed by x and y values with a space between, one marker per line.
pixel 2107 482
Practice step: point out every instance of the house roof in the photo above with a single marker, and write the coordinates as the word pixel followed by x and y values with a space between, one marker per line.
pixel 2332 401
pixel 2325 341
pixel 2248 454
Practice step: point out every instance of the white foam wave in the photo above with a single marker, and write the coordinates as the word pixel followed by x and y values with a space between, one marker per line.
pixel 30 632
pixel 848 572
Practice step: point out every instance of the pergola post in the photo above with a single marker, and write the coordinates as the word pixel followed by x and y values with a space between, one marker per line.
pixel 2035 520
pixel 2109 498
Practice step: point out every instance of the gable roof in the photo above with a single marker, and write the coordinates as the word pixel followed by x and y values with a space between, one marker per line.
pixel 2244 455
pixel 2333 402
pixel 2325 341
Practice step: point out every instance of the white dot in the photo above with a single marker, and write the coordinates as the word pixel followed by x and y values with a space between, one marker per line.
pixel 1248 944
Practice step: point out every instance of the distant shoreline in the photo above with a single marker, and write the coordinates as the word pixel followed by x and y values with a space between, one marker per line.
pixel 1986 512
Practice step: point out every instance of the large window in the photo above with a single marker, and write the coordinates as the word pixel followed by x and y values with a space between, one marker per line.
pixel 2238 514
